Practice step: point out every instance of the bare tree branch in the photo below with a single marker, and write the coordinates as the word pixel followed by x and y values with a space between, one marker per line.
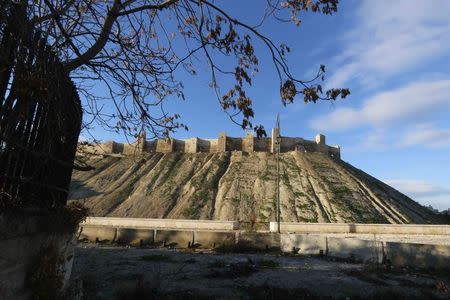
pixel 133 49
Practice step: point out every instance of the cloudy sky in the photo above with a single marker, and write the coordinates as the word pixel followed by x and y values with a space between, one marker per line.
pixel 394 55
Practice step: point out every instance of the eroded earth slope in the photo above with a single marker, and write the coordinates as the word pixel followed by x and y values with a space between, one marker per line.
pixel 240 186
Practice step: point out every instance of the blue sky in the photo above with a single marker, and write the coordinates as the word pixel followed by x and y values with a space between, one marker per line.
pixel 395 58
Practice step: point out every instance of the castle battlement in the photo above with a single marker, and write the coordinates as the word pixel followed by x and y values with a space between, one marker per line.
pixel 223 143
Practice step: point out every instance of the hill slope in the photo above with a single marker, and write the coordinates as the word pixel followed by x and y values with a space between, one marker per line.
pixel 240 186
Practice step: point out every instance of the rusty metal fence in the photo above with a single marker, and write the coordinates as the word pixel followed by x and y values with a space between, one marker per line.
pixel 40 117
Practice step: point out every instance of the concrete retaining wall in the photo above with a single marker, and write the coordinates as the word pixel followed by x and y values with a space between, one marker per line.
pixel 208 234
pixel 375 251
pixel 162 223
pixel 132 236
pixel 417 255
pixel 354 249
pixel 260 240
pixel 174 238
pixel 177 233
pixel 361 228
pixel 410 229
pixel 179 238
pixel 209 239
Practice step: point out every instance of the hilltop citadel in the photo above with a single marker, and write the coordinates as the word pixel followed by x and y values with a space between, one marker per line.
pixel 223 143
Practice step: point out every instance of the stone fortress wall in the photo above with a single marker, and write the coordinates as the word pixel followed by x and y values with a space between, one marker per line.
pixel 223 143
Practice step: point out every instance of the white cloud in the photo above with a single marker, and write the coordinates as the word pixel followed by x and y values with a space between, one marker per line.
pixel 424 192
pixel 427 135
pixel 374 141
pixel 391 37
pixel 418 188
pixel 409 103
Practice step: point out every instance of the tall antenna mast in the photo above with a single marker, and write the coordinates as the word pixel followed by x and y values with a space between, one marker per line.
pixel 277 149
pixel 277 125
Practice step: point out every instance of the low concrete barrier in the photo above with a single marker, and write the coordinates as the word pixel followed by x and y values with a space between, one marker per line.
pixel 361 228
pixel 174 238
pixel 417 255
pixel 375 251
pixel 307 244
pixel 161 223
pixel 210 239
pixel 260 240
pixel 135 236
pixel 98 233
pixel 353 248
pixel 177 237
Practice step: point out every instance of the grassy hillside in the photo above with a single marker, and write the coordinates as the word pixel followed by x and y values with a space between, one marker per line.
pixel 240 186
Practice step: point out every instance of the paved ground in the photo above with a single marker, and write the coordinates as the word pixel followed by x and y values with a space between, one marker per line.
pixel 129 273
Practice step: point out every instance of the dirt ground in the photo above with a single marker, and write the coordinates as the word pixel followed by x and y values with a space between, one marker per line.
pixel 111 272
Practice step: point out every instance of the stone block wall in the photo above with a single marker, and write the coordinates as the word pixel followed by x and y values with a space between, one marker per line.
pixel 150 146
pixel 233 144
pixel 191 145
pixel 178 146
pixel 275 136
pixel 204 146
pixel 308 146
pixel 129 149
pixel 213 145
pixel 109 147
pixel 291 144
pixel 224 143
pixel 334 152
pixel 262 144
pixel 165 145
pixel 248 143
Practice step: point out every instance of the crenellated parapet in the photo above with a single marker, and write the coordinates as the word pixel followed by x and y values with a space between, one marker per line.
pixel 223 143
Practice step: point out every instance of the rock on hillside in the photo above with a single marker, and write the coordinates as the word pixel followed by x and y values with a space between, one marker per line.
pixel 240 186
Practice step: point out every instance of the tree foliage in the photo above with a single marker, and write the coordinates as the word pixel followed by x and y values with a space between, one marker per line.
pixel 135 48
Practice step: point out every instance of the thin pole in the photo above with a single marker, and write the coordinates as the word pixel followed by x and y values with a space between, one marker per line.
pixel 278 149
pixel 278 186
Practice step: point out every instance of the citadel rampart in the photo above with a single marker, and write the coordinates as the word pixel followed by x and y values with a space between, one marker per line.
pixel 223 143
